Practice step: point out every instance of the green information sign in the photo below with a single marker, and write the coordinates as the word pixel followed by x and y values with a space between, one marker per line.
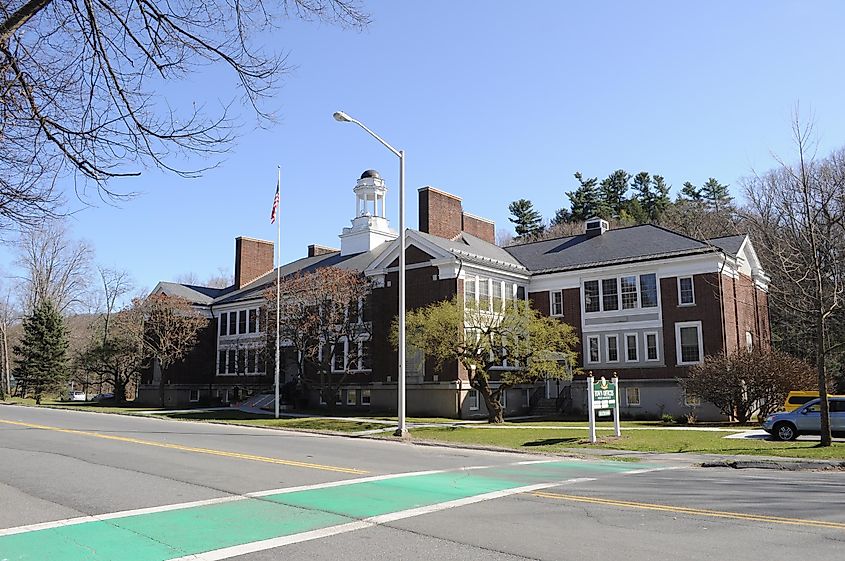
pixel 604 395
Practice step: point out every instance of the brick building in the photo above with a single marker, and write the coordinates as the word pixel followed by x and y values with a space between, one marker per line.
pixel 646 302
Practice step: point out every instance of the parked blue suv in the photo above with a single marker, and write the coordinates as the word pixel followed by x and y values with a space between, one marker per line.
pixel 806 420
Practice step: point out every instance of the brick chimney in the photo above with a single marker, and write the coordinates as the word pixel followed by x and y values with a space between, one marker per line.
pixel 442 215
pixel 253 258
pixel 315 249
pixel 479 227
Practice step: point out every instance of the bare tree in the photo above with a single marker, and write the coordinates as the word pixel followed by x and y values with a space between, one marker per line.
pixel 55 267
pixel 81 83
pixel 116 284
pixel 798 212
pixel 8 315
pixel 325 321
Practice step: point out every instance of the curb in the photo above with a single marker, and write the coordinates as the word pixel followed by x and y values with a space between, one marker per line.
pixel 780 465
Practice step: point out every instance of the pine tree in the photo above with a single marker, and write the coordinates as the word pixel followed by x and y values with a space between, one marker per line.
pixel 690 192
pixel 528 221
pixel 614 190
pixel 661 199
pixel 715 194
pixel 41 363
pixel 562 216
pixel 643 193
pixel 585 199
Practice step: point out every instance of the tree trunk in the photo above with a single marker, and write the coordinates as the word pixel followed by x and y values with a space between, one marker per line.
pixel 119 389
pixel 495 412
pixel 824 412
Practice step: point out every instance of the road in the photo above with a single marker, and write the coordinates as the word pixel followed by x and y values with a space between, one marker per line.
pixel 86 486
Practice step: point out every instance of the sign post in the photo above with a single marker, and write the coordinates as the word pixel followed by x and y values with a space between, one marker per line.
pixel 616 413
pixel 591 408
pixel 602 399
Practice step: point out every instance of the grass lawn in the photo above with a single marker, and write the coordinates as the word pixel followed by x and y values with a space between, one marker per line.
pixel 235 417
pixel 101 407
pixel 557 440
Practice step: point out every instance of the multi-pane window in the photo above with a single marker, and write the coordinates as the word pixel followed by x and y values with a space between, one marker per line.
pixel 592 349
pixel 686 292
pixel 193 395
pixel 648 291
pixel 631 348
pixel 509 291
pixel 629 292
pixel 338 359
pixel 469 291
pixel 253 320
pixel 233 323
pixel 224 323
pixel 605 295
pixel 232 362
pixel 520 292
pixel 351 397
pixel 221 362
pixel 609 294
pixel 557 303
pixel 651 346
pixel 365 397
pixel 497 296
pixel 250 360
pixel 241 361
pixel 612 348
pixel 483 294
pixel 689 342
pixel 366 355
pixel 591 296
pixel 632 396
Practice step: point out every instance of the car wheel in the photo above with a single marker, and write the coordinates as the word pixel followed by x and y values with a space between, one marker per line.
pixel 785 431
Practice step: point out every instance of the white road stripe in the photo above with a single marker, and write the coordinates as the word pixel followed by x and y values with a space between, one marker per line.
pixel 226 553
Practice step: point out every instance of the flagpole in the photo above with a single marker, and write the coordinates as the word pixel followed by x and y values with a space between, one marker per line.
pixel 278 292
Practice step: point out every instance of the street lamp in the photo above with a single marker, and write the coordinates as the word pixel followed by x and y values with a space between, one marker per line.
pixel 344 118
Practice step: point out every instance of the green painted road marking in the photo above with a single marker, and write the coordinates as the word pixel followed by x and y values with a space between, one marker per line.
pixel 160 536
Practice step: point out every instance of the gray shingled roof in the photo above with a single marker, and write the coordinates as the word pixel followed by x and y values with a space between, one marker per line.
pixel 729 244
pixel 621 245
pixel 356 262
pixel 192 293
pixel 471 248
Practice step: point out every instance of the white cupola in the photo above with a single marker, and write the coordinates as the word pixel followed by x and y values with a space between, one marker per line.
pixel 370 228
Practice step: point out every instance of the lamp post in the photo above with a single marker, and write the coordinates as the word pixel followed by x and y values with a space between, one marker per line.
pixel 344 118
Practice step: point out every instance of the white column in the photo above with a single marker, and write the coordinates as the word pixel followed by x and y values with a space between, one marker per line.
pixel 591 407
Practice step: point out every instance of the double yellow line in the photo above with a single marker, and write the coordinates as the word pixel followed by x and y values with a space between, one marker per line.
pixel 194 449
pixel 693 511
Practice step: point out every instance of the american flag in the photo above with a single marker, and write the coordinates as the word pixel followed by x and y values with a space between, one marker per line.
pixel 275 205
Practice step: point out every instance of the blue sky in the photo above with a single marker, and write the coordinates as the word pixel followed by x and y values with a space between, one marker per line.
pixel 492 101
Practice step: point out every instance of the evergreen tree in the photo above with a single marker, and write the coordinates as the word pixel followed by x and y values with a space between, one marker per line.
pixel 585 199
pixel 528 221
pixel 41 363
pixel 643 193
pixel 661 199
pixel 690 193
pixel 715 194
pixel 613 193
pixel 562 216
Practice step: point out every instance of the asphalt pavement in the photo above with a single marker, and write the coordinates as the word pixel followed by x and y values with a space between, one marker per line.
pixel 90 486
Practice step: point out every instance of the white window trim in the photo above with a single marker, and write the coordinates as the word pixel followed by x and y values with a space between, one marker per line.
pixel 365 393
pixel 473 397
pixel 503 399
pixel 637 305
pixel 191 398
pixel 692 285
pixel 607 339
pixel 598 348
pixel 636 337
pixel 552 303
pixel 618 294
pixel 351 393
pixel 526 397
pixel 345 357
pixel 639 397
pixel 656 346
pixel 620 310
pixel 678 326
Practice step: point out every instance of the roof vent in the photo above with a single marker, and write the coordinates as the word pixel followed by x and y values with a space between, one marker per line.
pixel 596 227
